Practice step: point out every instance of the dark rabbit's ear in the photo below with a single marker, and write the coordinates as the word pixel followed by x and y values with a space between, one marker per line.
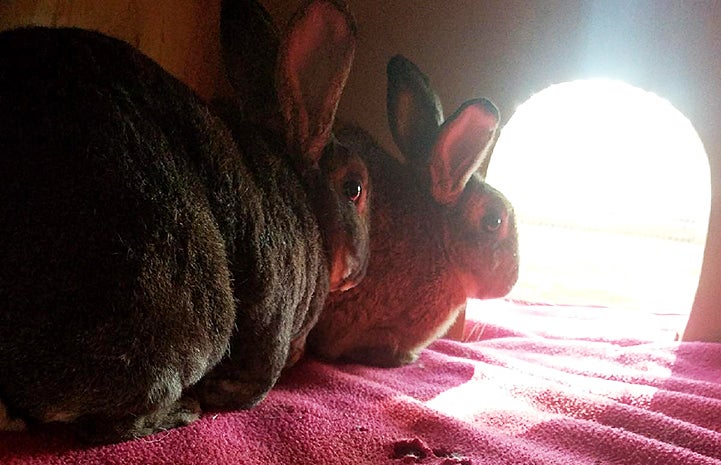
pixel 250 45
pixel 414 110
pixel 462 146
pixel 315 59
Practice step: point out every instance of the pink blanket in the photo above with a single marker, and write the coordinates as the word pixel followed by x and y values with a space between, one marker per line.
pixel 533 385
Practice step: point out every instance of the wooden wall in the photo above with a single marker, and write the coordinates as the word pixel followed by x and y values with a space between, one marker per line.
pixel 180 35
pixel 502 49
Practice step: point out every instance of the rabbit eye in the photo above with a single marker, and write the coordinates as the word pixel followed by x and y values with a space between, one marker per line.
pixel 491 222
pixel 352 189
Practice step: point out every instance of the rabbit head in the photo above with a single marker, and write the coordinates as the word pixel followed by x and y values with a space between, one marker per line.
pixel 440 233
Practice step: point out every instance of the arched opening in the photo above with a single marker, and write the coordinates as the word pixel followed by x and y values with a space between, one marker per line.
pixel 611 189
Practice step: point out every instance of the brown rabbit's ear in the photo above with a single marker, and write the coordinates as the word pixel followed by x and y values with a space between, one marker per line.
pixel 462 146
pixel 315 60
pixel 482 170
pixel 414 110
pixel 250 45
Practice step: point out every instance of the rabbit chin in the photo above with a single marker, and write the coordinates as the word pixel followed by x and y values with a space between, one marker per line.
pixel 345 273
pixel 342 284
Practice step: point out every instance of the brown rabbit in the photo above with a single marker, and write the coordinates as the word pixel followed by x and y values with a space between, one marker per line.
pixel 440 234
pixel 140 240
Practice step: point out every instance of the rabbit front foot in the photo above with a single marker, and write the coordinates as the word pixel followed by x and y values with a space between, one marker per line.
pixel 384 357
pixel 296 352
pixel 294 356
pixel 98 429
pixel 9 423
pixel 228 394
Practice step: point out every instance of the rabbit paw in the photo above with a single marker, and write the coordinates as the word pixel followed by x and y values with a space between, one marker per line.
pixel 101 430
pixel 293 357
pixel 379 356
pixel 223 393
pixel 8 423
pixel 183 412
pixel 296 352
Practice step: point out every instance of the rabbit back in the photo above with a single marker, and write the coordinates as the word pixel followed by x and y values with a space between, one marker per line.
pixel 114 284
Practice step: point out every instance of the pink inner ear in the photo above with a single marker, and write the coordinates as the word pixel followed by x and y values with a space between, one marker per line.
pixel 474 122
pixel 317 57
pixel 460 151
pixel 312 30
pixel 467 136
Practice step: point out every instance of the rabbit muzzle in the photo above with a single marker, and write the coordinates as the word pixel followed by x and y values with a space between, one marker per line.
pixel 346 271
pixel 495 281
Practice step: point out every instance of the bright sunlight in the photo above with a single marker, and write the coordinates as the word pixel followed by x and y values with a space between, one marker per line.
pixel 611 187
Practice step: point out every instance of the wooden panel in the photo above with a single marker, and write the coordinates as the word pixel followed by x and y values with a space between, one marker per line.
pixel 182 36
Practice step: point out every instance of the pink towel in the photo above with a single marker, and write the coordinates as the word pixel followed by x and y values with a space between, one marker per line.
pixel 532 385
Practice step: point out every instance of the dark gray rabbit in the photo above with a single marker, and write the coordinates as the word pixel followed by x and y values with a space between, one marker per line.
pixel 334 183
pixel 137 234
pixel 440 233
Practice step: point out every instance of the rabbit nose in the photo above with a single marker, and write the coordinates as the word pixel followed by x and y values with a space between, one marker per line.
pixel 499 258
pixel 505 267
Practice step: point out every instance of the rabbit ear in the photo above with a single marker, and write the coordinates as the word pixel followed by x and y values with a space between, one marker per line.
pixel 462 146
pixel 483 169
pixel 250 49
pixel 315 60
pixel 414 110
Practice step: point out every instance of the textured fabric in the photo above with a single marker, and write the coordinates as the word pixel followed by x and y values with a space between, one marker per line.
pixel 531 385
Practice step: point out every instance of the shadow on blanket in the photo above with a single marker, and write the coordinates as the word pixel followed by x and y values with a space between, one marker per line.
pixel 530 385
